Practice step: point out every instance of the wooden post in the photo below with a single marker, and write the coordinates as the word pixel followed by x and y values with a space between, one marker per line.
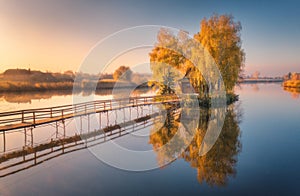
pixel 33 113
pixel 51 145
pixel 110 105
pixel 62 114
pixel 75 139
pixel 23 116
pixel 31 132
pixel 23 153
pixel 4 142
pixel 142 110
pixel 50 112
pixel 104 104
pixel 56 126
pixel 64 127
pixel 99 120
pixel 88 123
pixel 107 119
pixel 35 157
pixel 25 136
pixel 124 115
pixel 80 124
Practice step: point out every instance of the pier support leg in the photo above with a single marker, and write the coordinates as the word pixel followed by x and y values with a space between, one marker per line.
pixel 107 119
pixel 88 116
pixel 25 136
pixel 56 126
pixel 80 124
pixel 142 110
pixel 31 133
pixel 4 142
pixel 64 127
pixel 99 120
pixel 35 158
pixel 24 153
pixel 124 115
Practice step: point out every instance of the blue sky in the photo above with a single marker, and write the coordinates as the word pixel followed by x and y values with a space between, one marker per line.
pixel 56 35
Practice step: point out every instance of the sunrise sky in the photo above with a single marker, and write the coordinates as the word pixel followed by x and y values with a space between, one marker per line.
pixel 56 35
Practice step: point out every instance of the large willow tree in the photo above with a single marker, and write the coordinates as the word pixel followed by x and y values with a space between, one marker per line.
pixel 168 52
pixel 221 36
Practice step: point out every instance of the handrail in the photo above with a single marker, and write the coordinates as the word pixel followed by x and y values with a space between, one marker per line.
pixel 31 116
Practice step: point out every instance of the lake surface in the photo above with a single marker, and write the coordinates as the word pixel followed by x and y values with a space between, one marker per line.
pixel 256 153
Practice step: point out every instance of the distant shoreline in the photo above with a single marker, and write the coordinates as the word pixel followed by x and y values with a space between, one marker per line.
pixel 262 80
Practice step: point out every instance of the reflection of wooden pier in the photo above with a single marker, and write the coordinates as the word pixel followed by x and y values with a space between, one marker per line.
pixel 31 156
pixel 31 153
pixel 34 117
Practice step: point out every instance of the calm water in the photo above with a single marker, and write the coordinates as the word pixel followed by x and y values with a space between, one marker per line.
pixel 257 153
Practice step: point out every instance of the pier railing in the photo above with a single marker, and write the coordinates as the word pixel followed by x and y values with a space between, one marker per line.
pixel 32 117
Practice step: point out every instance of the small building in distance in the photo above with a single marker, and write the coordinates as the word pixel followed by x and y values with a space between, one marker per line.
pixel 186 86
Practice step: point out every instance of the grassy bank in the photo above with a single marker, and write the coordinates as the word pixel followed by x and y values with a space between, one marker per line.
pixel 192 100
pixel 207 102
pixel 10 86
pixel 16 86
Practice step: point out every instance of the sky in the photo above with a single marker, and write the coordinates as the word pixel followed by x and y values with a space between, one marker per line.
pixel 57 35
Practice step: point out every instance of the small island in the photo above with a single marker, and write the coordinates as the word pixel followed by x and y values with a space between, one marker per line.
pixel 292 83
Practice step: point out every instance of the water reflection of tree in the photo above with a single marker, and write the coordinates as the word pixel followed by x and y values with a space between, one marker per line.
pixel 163 130
pixel 255 87
pixel 294 92
pixel 219 163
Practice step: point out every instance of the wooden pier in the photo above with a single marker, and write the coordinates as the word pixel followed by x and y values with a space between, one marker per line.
pixel 35 117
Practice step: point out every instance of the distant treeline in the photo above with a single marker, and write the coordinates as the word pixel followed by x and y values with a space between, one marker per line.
pixel 20 80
